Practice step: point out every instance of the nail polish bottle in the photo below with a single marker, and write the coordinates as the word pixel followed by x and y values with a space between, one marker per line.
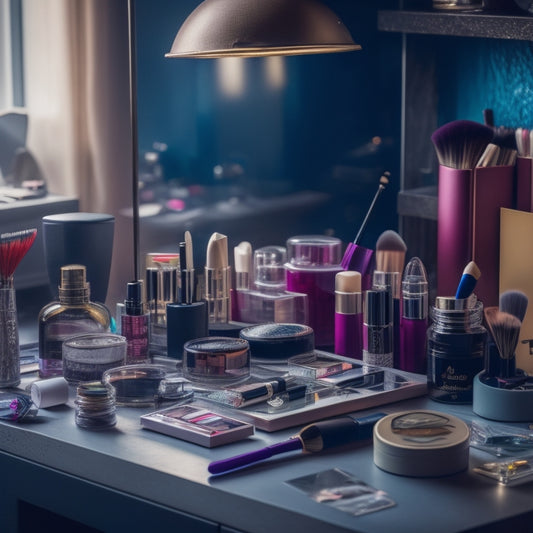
pixel 72 315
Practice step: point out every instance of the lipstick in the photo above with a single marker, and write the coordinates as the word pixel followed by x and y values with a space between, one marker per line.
pixel 217 279
pixel 414 321
pixel 377 328
pixel 348 314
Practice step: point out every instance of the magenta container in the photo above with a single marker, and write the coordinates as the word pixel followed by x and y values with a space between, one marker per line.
pixel 349 335
pixel 313 262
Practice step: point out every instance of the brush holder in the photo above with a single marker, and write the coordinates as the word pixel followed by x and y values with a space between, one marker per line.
pixel 79 238
pixel 497 403
pixel 524 184
pixel 9 338
pixel 469 204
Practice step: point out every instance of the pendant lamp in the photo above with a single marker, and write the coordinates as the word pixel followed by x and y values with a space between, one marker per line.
pixel 254 28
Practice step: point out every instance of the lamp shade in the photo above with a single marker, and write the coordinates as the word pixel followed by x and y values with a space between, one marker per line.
pixel 252 28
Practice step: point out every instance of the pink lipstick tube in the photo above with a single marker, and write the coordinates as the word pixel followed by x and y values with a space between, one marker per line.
pixel 348 315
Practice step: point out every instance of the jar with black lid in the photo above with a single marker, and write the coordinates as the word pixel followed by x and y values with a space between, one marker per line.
pixel 455 348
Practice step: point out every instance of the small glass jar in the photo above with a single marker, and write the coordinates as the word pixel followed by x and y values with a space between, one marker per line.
pixel 455 348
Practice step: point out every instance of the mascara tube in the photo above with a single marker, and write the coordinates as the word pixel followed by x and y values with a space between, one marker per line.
pixel 391 281
pixel 378 331
pixel 414 322
pixel 348 314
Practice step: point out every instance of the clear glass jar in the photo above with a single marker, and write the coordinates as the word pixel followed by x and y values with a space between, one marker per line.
pixel 455 349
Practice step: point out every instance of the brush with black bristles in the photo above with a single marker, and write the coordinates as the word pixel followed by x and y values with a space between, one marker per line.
pixel 460 144
pixel 13 247
pixel 514 302
pixel 313 438
pixel 505 332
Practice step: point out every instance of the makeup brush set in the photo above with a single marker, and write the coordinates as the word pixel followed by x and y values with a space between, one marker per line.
pixel 476 180
pixel 503 391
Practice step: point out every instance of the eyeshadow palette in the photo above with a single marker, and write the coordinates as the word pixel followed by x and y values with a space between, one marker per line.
pixel 197 424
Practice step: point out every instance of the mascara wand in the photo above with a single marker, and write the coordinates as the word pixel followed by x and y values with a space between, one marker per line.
pixel 313 438
pixel 357 257
pixel 383 182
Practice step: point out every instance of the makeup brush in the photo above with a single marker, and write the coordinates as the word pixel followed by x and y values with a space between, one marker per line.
pixel 460 143
pixel 13 247
pixel 515 303
pixel 468 281
pixel 390 252
pixel 356 257
pixel 313 438
pixel 505 331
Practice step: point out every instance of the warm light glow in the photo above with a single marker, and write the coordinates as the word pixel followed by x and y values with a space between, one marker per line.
pixel 275 71
pixel 230 76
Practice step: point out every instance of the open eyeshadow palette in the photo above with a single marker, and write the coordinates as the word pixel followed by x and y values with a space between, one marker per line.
pixel 315 386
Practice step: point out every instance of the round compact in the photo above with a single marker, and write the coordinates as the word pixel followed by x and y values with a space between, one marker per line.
pixel 278 341
pixel 145 384
pixel 216 360
pixel 421 444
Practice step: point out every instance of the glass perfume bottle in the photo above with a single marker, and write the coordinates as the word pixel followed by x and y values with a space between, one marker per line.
pixel 270 301
pixel 72 315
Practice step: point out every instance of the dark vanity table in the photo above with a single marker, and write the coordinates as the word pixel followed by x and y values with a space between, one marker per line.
pixel 131 479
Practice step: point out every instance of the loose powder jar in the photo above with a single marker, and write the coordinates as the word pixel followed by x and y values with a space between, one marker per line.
pixel 421 444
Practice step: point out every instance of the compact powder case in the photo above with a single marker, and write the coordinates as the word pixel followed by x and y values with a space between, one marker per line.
pixel 278 341
pixel 421 444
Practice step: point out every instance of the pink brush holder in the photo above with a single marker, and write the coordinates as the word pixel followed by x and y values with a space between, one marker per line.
pixel 469 226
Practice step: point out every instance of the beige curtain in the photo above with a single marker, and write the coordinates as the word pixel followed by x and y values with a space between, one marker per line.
pixel 77 96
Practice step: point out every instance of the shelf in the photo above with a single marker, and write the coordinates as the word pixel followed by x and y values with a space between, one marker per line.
pixel 420 203
pixel 457 24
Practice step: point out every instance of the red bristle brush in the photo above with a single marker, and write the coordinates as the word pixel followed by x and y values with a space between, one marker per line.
pixel 13 247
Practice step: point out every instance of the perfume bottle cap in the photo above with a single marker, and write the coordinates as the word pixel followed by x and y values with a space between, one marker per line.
pixel 74 287
pixel 134 299
pixel 269 267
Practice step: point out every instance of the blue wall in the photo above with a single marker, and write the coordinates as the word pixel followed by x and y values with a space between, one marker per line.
pixel 487 73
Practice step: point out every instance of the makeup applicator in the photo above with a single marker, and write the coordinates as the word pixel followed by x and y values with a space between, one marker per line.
pixel 390 260
pixel 460 143
pixel 468 281
pixel 505 331
pixel 514 302
pixel 356 257
pixel 390 252
pixel 313 438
